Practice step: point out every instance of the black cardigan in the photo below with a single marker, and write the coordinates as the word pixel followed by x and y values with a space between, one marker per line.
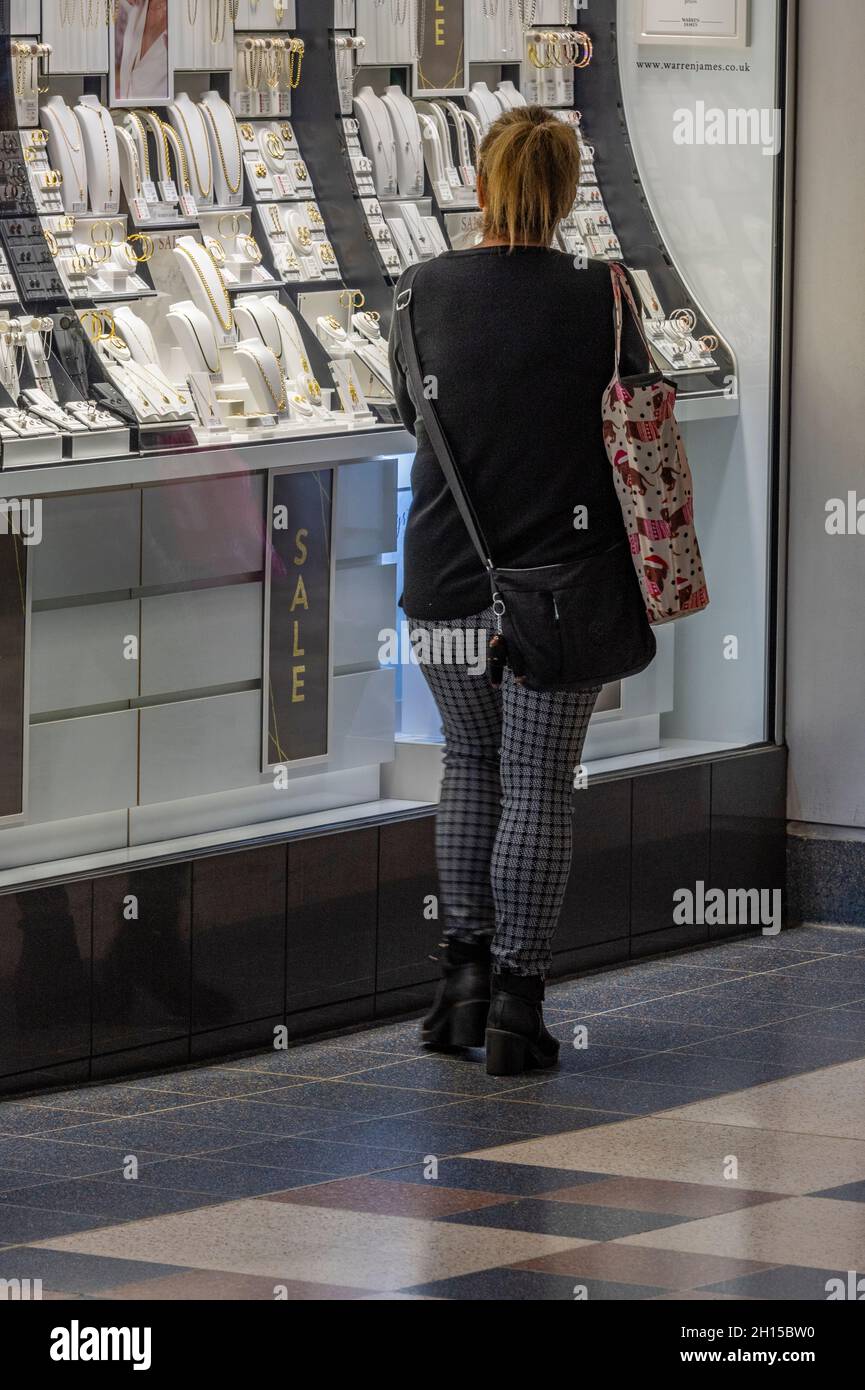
pixel 519 347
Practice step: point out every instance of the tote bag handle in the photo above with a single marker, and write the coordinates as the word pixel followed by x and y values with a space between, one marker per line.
pixel 622 285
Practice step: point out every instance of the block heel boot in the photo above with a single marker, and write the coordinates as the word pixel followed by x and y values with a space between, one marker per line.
pixel 458 1017
pixel 516 1038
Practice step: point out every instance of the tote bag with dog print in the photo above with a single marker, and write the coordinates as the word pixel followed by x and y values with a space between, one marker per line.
pixel 653 480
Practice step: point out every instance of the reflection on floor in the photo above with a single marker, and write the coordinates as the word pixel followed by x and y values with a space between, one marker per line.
pixel 707 1143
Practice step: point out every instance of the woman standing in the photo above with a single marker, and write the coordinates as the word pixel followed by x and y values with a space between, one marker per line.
pixel 517 346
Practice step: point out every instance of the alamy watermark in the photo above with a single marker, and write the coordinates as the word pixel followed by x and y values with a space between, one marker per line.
pixel 722 907
pixel 711 125
pixel 441 646
pixel 21 517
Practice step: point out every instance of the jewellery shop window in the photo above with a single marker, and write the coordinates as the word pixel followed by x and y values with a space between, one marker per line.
pixel 673 184
pixel 167 276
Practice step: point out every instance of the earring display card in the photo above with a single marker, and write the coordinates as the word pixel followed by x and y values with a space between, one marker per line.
pixel 30 260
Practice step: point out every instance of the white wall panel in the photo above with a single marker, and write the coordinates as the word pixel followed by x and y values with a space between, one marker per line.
pixel 826 583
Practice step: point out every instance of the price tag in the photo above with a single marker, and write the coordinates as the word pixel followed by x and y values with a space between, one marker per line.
pixel 454 178
pixel 188 205
pixel 168 189
pixel 140 209
pixel 150 191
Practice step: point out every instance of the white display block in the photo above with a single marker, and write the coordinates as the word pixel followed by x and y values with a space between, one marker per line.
pixel 272 16
pixel 389 31
pixel 24 17
pixel 494 38
pixel 343 14
pixel 74 48
pixel 192 49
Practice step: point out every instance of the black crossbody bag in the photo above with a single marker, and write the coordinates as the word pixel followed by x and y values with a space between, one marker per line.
pixel 570 626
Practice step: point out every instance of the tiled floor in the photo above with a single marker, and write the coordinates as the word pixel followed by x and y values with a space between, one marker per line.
pixel 707 1142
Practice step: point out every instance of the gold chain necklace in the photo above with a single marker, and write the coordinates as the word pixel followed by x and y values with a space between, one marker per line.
pixel 225 325
pixel 142 131
pixel 181 153
pixel 218 17
pixel 166 149
pixel 205 192
pixel 212 370
pixel 277 355
pixel 278 401
pixel 232 187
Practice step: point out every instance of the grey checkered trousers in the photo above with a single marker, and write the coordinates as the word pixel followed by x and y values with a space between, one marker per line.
pixel 504 824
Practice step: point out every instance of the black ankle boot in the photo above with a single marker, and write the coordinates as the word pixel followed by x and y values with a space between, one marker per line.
pixel 459 1015
pixel 516 1038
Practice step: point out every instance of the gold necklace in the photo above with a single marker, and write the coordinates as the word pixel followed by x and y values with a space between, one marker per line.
pixel 73 150
pixel 205 192
pixel 212 370
pixel 232 187
pixel 184 167
pixel 277 355
pixel 166 149
pixel 286 318
pixel 218 15
pixel 226 326
pixel 143 133
pixel 279 401
pixel 296 50
pixel 101 114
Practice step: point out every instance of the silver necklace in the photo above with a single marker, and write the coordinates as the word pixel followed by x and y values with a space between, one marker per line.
pixel 421 28
pixel 385 145
pixel 410 146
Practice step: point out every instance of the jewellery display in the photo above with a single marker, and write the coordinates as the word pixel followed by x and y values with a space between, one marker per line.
pixel 175 220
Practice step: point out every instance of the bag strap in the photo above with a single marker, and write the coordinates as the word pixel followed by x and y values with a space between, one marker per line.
pixel 622 286
pixel 429 414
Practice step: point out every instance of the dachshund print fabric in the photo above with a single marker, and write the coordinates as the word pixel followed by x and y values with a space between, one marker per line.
pixel 654 484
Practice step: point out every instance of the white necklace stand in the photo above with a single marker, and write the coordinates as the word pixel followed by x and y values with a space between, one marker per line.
pixel 66 145
pixel 484 104
pixel 440 116
pixel 295 357
pixel 255 319
pixel 409 142
pixel 378 140
pixel 137 336
pixel 103 157
pixel 191 127
pixel 227 166
pixel 509 96
pixel 195 334
pixel 467 170
pixel 200 274
pixel 265 371
pixel 432 149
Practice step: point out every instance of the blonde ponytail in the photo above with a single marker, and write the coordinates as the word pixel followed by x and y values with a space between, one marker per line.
pixel 529 162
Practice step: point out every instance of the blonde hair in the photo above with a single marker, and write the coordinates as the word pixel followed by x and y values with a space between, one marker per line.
pixel 529 162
